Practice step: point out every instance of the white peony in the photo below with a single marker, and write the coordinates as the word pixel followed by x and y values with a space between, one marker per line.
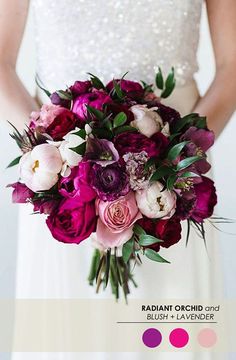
pixel 146 120
pixel 154 203
pixel 40 167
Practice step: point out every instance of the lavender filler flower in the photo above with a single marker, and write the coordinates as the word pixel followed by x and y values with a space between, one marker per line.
pixel 135 163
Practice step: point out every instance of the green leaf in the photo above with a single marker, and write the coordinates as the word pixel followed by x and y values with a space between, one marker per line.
pixel 161 172
pixel 124 128
pixel 37 80
pixel 171 181
pixel 102 133
pixel 152 161
pixel 173 136
pixel 118 90
pixel 127 250
pixel 169 84
pixel 138 230
pixel 97 113
pixel 96 82
pixel 201 123
pixel 159 79
pixel 188 119
pixel 183 164
pixel 176 150
pixel 81 133
pixel 145 240
pixel 80 149
pixel 189 174
pixel 119 120
pixel 14 162
pixel 153 255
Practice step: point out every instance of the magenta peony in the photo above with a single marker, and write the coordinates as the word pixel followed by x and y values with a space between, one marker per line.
pixel 206 199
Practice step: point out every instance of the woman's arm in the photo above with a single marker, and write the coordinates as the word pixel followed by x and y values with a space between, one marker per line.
pixel 219 103
pixel 15 102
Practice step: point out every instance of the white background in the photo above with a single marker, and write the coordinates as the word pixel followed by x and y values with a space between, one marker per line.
pixel 223 159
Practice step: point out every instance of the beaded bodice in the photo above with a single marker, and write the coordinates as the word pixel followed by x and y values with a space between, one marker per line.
pixel 111 37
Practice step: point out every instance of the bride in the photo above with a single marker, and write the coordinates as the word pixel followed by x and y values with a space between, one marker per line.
pixel 108 38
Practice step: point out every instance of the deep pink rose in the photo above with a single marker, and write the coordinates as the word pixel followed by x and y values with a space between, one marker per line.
pixel 96 99
pixel 73 221
pixel 161 142
pixel 21 193
pixel 135 142
pixel 116 220
pixel 62 124
pixel 77 183
pixel 131 88
pixel 206 199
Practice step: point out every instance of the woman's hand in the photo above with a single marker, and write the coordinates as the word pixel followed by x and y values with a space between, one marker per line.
pixel 15 102
pixel 219 103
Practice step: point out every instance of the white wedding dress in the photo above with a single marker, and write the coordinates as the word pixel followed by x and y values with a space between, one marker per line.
pixel 108 38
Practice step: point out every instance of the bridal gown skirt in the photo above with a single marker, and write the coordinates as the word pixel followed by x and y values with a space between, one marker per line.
pixel 48 269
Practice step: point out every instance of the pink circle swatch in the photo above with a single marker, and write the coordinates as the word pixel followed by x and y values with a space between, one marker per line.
pixel 207 338
pixel 179 338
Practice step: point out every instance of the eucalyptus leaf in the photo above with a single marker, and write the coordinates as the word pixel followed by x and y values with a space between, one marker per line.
pixel 64 95
pixel 169 85
pixel 189 174
pixel 81 133
pixel 80 149
pixel 97 113
pixel 161 172
pixel 138 230
pixel 187 119
pixel 127 250
pixel 201 123
pixel 146 240
pixel 159 79
pixel 176 150
pixel 96 82
pixel 119 120
pixel 183 164
pixel 124 128
pixel 118 90
pixel 14 162
pixel 171 181
pixel 153 255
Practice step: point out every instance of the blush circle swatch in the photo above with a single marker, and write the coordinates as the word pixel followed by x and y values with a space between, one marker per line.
pixel 207 338
pixel 179 338
pixel 152 337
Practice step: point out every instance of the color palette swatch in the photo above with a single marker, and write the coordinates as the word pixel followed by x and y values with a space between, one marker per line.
pixel 179 338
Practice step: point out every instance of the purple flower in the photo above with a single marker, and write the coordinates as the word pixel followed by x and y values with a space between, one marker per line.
pixel 57 100
pixel 95 99
pixel 77 184
pixel 201 141
pixel 101 151
pixel 110 182
pixel 185 204
pixel 21 193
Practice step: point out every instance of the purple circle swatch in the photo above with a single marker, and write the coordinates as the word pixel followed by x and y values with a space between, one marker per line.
pixel 207 338
pixel 152 337
pixel 179 338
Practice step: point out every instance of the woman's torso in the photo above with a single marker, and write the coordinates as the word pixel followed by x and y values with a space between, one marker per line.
pixel 111 37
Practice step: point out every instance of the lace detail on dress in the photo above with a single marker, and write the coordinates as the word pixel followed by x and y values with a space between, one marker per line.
pixel 108 38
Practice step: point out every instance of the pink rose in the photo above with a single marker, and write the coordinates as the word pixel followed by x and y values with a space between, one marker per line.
pixel 116 220
pixel 73 221
pixel 45 116
pixel 95 99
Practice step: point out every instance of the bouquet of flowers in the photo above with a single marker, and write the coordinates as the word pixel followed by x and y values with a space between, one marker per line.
pixel 113 165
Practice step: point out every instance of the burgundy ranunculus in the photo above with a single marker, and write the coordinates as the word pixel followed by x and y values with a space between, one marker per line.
pixel 96 99
pixel 72 221
pixel 21 193
pixel 62 124
pixel 77 184
pixel 131 88
pixel 201 141
pixel 185 204
pixel 135 142
pixel 167 113
pixel 161 142
pixel 80 87
pixel 110 182
pixel 206 200
pixel 167 230
pixel 45 206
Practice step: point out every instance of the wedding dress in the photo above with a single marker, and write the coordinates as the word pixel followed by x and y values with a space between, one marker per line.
pixel 109 38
